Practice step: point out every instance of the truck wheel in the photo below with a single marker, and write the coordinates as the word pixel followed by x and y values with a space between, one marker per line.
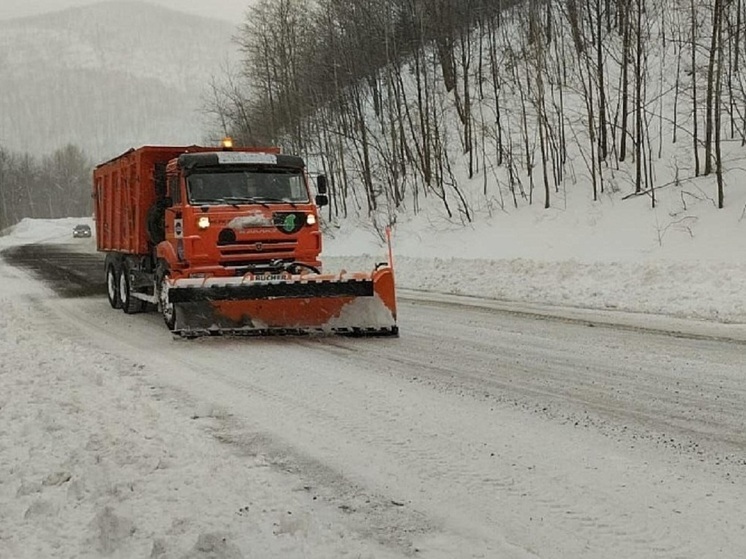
pixel 166 307
pixel 112 287
pixel 130 304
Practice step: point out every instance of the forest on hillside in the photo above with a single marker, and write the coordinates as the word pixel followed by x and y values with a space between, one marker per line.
pixel 491 104
pixel 479 106
pixel 53 186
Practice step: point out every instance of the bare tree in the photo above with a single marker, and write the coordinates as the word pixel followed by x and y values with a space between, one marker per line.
pixel 711 111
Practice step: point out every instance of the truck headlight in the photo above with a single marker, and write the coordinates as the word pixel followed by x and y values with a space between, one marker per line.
pixel 310 219
pixel 203 222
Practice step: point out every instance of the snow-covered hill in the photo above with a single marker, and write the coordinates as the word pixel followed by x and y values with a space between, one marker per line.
pixel 227 10
pixel 108 76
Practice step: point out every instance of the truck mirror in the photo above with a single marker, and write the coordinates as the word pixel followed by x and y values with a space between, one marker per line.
pixel 322 200
pixel 321 184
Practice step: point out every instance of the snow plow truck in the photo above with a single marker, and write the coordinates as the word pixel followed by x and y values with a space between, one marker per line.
pixel 227 241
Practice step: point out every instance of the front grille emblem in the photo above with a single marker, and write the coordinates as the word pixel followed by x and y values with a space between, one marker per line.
pixel 259 247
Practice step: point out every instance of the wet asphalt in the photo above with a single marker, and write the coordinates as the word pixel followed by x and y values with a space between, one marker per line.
pixel 69 272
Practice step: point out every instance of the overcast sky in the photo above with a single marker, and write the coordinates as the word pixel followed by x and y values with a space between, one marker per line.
pixel 231 10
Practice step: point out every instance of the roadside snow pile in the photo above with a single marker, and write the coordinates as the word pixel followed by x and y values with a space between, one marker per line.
pixel 606 255
pixel 683 289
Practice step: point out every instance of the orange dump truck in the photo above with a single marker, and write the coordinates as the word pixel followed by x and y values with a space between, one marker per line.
pixel 228 241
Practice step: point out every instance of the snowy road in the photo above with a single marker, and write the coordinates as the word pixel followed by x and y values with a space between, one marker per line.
pixel 477 433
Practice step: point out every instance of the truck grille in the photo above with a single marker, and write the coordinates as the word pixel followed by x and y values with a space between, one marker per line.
pixel 242 253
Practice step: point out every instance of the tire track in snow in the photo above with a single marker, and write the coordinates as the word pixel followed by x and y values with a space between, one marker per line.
pixel 414 451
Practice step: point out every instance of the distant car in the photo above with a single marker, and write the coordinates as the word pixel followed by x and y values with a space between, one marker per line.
pixel 81 231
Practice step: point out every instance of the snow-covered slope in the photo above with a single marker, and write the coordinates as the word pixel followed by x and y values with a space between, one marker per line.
pixel 107 76
pixel 228 10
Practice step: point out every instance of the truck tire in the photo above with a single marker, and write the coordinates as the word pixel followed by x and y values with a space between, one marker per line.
pixel 112 287
pixel 130 304
pixel 167 309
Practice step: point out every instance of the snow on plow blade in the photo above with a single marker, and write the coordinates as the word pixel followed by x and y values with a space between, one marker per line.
pixel 361 304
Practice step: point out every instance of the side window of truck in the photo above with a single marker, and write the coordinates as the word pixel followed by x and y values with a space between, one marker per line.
pixel 173 189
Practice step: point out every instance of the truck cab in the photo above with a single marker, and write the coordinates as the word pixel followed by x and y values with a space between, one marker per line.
pixel 229 213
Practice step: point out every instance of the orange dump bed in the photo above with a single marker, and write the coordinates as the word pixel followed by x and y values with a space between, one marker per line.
pixel 123 191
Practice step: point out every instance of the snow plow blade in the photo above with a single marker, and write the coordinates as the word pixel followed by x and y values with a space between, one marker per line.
pixel 355 304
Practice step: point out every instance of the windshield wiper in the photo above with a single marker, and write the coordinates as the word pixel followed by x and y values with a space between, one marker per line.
pixel 235 201
pixel 280 201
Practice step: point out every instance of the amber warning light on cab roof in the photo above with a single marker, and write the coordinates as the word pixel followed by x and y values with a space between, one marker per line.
pixel 227 143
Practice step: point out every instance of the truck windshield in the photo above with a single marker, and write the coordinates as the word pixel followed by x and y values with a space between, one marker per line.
pixel 247 187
